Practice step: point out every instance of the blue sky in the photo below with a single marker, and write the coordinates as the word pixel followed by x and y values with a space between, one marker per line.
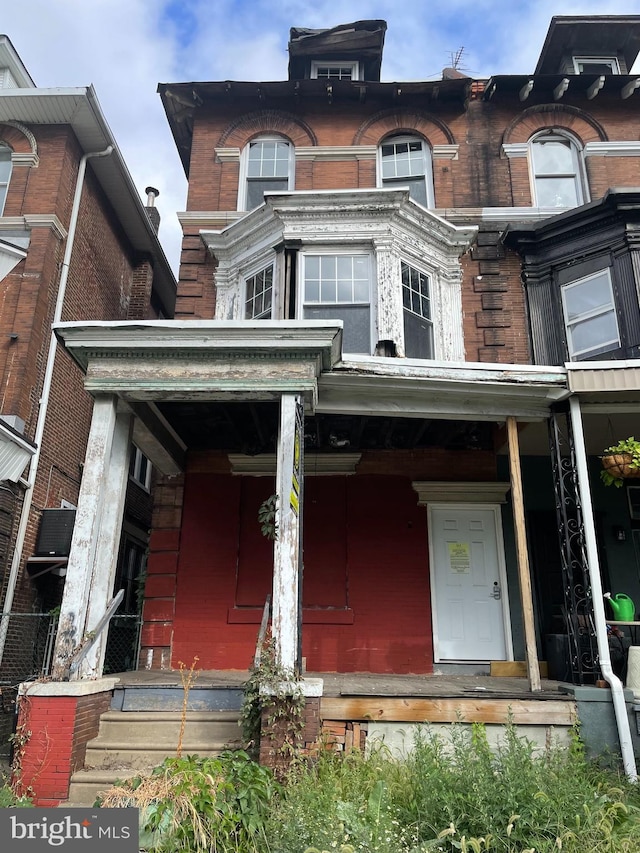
pixel 126 47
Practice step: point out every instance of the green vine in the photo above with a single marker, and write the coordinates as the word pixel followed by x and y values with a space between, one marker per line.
pixel 274 703
pixel 267 517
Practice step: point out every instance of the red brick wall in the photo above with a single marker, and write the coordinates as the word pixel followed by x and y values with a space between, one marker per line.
pixel 53 733
pixel 384 578
pixel 105 281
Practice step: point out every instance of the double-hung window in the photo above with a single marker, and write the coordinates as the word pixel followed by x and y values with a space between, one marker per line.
pixel 269 166
pixel 5 173
pixel 405 161
pixel 590 316
pixel 557 172
pixel 418 322
pixel 258 300
pixel 338 287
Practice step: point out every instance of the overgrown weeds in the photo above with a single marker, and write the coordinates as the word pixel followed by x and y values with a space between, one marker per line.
pixel 456 793
pixel 200 804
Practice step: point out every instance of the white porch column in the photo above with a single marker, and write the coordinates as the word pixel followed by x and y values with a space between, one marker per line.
pixel 287 544
pixel 86 585
pixel 106 557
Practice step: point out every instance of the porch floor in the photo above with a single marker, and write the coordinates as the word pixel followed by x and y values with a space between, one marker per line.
pixel 363 684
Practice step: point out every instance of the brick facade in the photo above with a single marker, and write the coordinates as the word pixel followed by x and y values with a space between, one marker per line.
pixel 52 734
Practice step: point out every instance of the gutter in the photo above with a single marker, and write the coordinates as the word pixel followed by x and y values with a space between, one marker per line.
pixel 44 400
pixel 617 689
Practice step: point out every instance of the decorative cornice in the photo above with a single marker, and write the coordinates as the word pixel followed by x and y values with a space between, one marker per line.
pixel 336 152
pixel 209 218
pixel 445 152
pixel 227 155
pixel 22 159
pixel 34 220
pixel 315 464
pixel 46 220
pixel 621 148
pixel 511 150
pixel 436 492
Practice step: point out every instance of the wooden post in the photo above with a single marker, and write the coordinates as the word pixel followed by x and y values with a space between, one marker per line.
pixel 286 545
pixel 96 538
pixel 526 598
pixel 108 546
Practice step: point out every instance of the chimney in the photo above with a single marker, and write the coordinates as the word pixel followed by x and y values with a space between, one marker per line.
pixel 152 210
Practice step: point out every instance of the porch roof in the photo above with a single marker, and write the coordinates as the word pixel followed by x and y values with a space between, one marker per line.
pixel 151 364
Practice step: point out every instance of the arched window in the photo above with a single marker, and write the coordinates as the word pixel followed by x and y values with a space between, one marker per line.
pixel 268 165
pixel 5 173
pixel 556 165
pixel 405 161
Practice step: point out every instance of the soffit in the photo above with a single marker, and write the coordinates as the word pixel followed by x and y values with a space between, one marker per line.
pixel 79 108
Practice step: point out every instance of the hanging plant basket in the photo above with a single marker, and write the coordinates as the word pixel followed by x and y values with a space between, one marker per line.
pixel 620 465
pixel 621 462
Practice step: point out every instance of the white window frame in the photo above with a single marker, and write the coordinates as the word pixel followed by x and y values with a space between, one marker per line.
pixel 405 262
pixel 135 468
pixel 6 168
pixel 244 167
pixel 608 308
pixel 427 160
pixel 335 64
pixel 264 268
pixel 335 252
pixel 578 174
pixel 612 61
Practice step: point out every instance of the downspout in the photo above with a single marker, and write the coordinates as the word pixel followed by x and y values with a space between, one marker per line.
pixel 617 690
pixel 44 399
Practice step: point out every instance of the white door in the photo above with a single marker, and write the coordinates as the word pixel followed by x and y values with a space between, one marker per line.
pixel 468 583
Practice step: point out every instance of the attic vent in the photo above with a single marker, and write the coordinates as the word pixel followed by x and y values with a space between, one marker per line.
pixel 54 534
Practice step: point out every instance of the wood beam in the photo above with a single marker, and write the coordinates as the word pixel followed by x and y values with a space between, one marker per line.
pixel 524 574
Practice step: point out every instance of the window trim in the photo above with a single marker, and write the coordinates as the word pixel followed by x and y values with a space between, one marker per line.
pixel 135 466
pixel 427 158
pixel 246 278
pixel 244 167
pixel 4 184
pixel 581 355
pixel 339 251
pixel 578 175
pixel 316 64
pixel 404 262
pixel 600 60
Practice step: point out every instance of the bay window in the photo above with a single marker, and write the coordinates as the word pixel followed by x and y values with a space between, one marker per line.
pixel 338 287
pixel 590 316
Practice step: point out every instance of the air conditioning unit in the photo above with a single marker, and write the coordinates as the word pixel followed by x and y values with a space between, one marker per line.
pixel 55 532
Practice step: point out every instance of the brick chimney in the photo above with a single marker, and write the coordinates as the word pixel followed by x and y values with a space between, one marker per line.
pixel 152 210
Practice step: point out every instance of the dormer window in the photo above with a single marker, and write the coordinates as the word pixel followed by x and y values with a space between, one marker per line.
pixel 335 70
pixel 596 65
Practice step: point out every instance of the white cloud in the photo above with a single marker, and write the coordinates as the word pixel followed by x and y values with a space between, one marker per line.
pixel 125 47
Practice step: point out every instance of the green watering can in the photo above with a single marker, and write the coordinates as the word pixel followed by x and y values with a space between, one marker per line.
pixel 624 610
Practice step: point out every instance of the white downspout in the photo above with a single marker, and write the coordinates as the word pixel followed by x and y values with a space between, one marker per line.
pixel 44 399
pixel 617 690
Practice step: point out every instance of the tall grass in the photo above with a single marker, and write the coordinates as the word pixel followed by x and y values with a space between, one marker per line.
pixel 456 793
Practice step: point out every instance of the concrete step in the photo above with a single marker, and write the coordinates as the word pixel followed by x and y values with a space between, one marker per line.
pixel 86 785
pixel 132 742
pixel 162 728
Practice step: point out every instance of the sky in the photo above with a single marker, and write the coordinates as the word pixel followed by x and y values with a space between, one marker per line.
pixel 126 47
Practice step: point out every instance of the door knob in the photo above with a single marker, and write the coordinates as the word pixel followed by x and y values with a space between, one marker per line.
pixel 496 592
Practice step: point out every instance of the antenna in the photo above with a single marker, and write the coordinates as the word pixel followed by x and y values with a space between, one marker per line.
pixel 456 58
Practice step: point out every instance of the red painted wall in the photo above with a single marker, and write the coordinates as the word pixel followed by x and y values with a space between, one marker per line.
pixel 366 574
